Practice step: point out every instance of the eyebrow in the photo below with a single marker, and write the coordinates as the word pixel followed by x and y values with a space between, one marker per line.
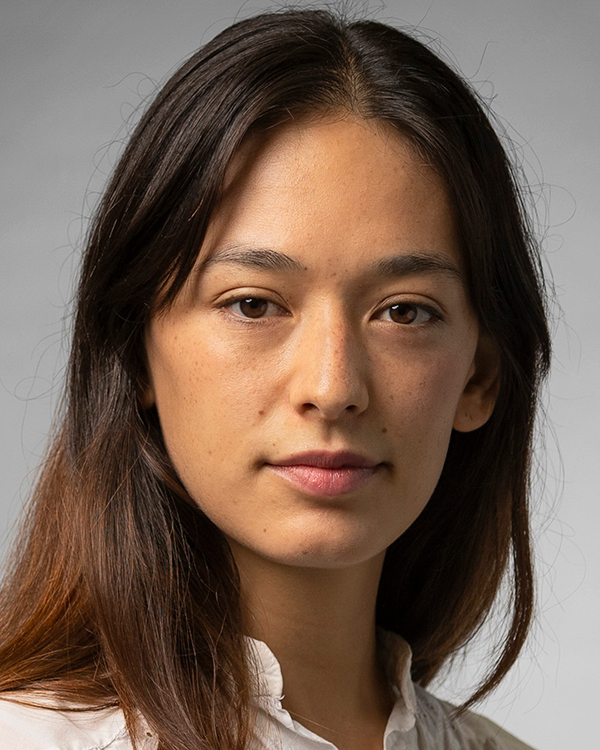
pixel 255 257
pixel 395 266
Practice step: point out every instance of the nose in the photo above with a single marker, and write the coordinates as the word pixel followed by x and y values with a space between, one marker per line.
pixel 329 368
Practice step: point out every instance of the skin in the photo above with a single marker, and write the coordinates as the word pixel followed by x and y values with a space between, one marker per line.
pixel 325 364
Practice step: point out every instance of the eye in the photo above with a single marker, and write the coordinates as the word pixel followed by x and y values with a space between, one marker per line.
pixel 409 313
pixel 251 307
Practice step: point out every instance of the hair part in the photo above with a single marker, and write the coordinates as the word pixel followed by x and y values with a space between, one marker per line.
pixel 122 592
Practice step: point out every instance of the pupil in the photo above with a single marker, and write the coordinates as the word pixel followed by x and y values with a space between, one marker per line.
pixel 253 307
pixel 403 313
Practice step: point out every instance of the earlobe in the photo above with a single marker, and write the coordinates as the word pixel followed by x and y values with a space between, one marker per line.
pixel 478 399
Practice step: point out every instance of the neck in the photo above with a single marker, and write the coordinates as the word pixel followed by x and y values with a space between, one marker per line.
pixel 320 624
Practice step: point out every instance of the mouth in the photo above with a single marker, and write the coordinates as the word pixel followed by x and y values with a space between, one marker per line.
pixel 326 474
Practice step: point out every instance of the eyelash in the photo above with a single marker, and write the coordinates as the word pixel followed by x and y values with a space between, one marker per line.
pixel 435 316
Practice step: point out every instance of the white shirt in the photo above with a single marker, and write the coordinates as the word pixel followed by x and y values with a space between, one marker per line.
pixel 418 720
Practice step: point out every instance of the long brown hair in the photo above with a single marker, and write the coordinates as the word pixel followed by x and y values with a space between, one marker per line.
pixel 121 591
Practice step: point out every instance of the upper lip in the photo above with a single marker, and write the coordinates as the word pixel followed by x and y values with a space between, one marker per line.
pixel 327 460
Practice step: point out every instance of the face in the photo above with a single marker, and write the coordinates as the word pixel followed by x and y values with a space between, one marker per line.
pixel 327 316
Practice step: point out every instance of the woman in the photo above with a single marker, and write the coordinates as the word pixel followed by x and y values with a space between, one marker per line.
pixel 296 436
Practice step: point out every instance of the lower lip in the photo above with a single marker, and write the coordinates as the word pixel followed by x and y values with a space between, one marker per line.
pixel 329 482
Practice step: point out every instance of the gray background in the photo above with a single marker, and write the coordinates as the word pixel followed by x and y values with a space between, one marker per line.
pixel 73 73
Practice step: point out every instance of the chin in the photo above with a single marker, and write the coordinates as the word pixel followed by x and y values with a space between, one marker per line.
pixel 325 548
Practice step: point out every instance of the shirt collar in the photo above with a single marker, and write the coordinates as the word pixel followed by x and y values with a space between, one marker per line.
pixel 397 659
pixel 396 655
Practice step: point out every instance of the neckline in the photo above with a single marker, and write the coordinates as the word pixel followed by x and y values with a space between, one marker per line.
pixel 396 656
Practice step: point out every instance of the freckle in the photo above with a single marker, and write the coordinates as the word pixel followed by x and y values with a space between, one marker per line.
pixel 264 531
pixel 261 412
pixel 384 429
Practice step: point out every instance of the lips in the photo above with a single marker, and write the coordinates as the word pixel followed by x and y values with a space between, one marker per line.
pixel 325 473
pixel 328 460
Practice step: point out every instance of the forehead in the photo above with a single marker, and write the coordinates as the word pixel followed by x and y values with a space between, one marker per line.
pixel 333 188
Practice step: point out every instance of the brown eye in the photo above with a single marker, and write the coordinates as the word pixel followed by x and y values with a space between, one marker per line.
pixel 407 313
pixel 253 307
pixel 403 313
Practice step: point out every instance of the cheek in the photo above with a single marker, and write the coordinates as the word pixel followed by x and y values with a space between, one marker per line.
pixel 428 383
pixel 208 395
pixel 419 400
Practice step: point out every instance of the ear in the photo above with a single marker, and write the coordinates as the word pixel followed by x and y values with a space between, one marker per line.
pixel 145 392
pixel 478 399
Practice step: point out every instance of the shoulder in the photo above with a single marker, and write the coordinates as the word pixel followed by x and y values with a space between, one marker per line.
pixel 439 727
pixel 44 727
